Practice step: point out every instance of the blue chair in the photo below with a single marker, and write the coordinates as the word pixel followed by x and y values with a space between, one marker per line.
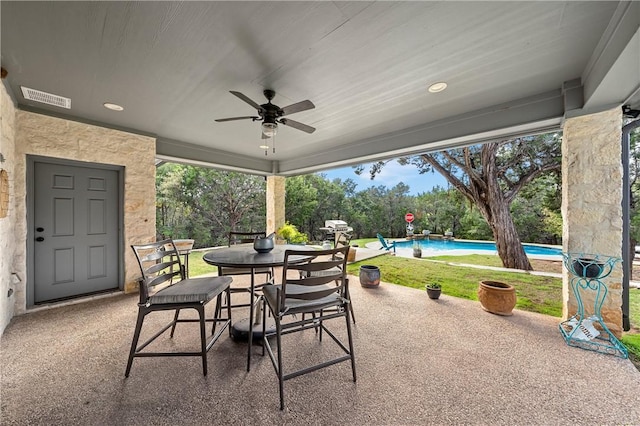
pixel 386 245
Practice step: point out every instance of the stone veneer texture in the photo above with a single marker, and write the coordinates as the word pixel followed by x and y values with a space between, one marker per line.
pixel 58 138
pixel 275 202
pixel 7 236
pixel 591 203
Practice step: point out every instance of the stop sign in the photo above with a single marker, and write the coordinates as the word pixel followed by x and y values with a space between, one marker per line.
pixel 408 217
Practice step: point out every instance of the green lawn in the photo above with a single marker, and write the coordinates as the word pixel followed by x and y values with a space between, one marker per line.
pixel 634 310
pixel 362 242
pixel 535 294
pixel 492 260
pixel 472 259
pixel 197 266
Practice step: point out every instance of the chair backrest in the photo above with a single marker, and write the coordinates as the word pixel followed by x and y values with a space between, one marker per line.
pixel 244 237
pixel 330 273
pixel 383 242
pixel 159 264
pixel 343 239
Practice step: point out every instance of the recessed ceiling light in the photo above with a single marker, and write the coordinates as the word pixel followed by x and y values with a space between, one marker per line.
pixel 437 87
pixel 113 107
pixel 264 146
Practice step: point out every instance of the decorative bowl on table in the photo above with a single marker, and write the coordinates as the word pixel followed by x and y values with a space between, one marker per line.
pixel 264 245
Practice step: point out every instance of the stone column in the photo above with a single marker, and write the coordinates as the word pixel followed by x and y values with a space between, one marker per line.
pixel 591 204
pixel 275 202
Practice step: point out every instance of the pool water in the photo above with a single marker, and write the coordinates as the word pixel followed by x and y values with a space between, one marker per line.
pixel 441 245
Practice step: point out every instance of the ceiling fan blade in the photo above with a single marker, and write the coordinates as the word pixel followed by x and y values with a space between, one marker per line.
pixel 220 120
pixel 297 107
pixel 297 125
pixel 247 100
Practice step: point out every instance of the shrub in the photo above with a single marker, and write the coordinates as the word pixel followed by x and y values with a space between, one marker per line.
pixel 290 233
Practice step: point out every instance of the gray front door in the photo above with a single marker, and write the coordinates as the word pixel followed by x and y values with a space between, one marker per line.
pixel 75 231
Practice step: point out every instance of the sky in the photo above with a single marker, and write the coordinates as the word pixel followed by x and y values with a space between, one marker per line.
pixel 391 175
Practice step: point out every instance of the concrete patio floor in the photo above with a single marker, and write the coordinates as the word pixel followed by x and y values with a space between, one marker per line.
pixel 418 362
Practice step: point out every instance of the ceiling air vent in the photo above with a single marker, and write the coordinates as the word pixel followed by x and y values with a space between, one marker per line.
pixel 45 98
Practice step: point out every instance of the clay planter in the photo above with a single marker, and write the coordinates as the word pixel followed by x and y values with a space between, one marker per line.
pixel 369 276
pixel 497 297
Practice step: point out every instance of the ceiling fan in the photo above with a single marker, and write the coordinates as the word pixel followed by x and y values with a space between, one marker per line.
pixel 271 115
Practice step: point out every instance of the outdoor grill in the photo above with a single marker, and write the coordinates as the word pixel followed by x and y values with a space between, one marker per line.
pixel 331 227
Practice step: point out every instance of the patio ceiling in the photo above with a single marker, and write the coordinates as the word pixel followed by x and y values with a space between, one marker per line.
pixel 511 68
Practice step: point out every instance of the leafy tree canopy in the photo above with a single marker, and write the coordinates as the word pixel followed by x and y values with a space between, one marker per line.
pixel 490 176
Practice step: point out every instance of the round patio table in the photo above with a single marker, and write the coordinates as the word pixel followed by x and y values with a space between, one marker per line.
pixel 245 256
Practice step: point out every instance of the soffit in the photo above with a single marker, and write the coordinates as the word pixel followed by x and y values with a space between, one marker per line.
pixel 365 65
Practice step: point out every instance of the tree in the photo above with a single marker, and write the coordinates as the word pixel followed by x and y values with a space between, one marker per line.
pixel 382 210
pixel 440 210
pixel 311 199
pixel 536 210
pixel 490 176
pixel 205 204
pixel 301 201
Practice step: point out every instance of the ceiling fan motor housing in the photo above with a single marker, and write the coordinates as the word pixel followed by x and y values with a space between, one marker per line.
pixel 269 94
pixel 269 111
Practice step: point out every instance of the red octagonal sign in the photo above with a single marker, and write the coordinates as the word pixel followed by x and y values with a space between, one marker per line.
pixel 409 217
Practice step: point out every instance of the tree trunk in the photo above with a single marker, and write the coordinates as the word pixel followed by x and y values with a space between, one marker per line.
pixel 487 186
pixel 494 206
pixel 507 240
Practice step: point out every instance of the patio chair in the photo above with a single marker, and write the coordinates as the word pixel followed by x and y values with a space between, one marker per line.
pixel 244 238
pixel 386 244
pixel 342 239
pixel 302 294
pixel 160 266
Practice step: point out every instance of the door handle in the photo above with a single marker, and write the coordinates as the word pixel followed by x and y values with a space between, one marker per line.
pixel 40 239
pixel 40 229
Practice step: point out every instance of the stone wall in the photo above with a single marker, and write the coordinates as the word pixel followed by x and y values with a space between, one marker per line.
pixel 46 136
pixel 275 202
pixel 7 239
pixel 591 203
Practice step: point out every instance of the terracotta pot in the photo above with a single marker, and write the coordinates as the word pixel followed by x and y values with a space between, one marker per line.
pixel 497 297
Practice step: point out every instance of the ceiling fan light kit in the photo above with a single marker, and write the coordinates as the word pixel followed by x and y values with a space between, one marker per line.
pixel 271 115
pixel 269 129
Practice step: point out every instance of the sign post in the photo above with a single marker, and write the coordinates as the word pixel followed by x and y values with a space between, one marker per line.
pixel 409 218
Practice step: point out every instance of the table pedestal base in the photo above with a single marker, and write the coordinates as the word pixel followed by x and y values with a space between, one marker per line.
pixel 240 330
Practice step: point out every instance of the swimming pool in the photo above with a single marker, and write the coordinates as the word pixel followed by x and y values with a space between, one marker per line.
pixel 442 245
